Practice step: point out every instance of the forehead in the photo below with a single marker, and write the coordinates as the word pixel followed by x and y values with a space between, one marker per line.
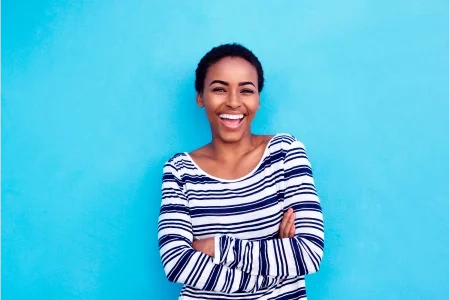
pixel 232 68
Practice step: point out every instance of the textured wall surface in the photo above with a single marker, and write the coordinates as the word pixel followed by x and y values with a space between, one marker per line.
pixel 98 94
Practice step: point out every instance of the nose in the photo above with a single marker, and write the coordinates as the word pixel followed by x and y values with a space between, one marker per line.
pixel 233 101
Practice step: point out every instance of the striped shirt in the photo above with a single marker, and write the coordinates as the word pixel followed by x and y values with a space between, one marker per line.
pixel 243 216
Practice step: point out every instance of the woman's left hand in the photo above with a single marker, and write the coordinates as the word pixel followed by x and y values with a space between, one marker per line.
pixel 205 246
pixel 287 226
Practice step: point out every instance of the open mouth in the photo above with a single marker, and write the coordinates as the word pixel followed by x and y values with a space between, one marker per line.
pixel 231 120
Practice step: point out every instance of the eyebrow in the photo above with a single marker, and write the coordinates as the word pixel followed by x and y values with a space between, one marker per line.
pixel 226 83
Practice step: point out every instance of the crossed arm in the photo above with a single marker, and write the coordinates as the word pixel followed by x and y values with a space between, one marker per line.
pixel 287 230
pixel 246 265
pixel 181 262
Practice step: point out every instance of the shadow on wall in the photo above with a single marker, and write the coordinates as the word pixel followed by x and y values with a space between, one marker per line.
pixel 2 114
pixel 3 129
pixel 191 128
pixel 183 124
pixel 183 128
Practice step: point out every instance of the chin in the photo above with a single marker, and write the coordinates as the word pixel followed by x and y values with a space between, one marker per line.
pixel 231 137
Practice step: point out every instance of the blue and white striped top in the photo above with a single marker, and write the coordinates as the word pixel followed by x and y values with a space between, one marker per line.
pixel 243 216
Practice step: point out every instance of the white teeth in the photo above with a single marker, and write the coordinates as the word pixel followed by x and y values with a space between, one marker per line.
pixel 232 117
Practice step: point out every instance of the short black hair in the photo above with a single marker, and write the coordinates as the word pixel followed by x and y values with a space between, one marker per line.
pixel 222 51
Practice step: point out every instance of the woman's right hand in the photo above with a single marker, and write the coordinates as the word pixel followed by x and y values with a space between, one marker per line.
pixel 287 226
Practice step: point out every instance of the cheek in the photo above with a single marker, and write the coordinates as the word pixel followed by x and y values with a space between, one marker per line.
pixel 213 101
pixel 211 114
pixel 252 106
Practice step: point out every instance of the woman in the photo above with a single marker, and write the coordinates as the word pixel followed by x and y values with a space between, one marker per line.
pixel 240 217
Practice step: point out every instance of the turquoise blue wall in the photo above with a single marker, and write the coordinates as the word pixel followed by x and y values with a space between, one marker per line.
pixel 98 94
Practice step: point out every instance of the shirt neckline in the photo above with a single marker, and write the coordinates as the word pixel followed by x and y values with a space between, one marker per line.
pixel 264 155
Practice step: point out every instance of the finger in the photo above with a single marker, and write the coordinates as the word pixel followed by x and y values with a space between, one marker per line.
pixel 290 225
pixel 286 219
pixel 292 231
pixel 283 223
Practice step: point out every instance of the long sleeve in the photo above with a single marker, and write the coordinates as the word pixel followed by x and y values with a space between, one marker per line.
pixel 288 257
pixel 181 262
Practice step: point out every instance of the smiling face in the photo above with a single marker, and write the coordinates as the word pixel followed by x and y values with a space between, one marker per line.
pixel 230 97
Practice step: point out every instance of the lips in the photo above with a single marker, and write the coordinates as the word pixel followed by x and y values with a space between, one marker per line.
pixel 231 121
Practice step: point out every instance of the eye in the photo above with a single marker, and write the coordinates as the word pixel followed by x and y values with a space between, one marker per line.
pixel 219 89
pixel 247 91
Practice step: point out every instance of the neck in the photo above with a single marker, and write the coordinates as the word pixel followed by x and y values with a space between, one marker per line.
pixel 225 150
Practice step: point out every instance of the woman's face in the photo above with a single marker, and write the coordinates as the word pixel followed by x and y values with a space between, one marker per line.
pixel 230 97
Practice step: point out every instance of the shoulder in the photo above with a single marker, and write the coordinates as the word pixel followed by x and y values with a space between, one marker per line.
pixel 286 141
pixel 176 162
pixel 294 153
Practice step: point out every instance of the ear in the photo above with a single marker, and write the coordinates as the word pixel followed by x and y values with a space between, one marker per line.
pixel 200 101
